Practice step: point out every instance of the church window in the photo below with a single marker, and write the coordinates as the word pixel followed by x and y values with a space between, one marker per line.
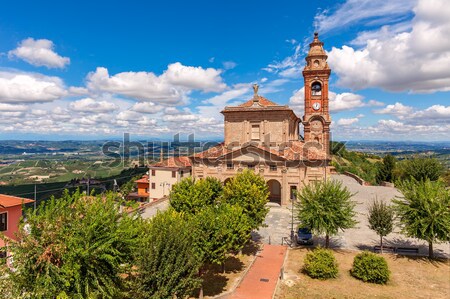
pixel 316 89
pixel 255 132
pixel 230 166
pixel 251 166
pixel 273 168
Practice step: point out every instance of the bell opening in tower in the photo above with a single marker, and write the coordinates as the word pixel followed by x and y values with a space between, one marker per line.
pixel 316 89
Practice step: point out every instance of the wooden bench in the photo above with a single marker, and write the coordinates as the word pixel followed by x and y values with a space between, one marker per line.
pixel 389 249
pixel 407 250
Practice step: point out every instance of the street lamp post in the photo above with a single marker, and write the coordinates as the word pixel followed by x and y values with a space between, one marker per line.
pixel 164 184
pixel 292 218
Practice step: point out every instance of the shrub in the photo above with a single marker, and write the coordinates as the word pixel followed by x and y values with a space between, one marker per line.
pixel 370 267
pixel 321 264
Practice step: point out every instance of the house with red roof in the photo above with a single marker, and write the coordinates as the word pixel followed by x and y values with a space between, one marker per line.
pixel 164 174
pixel 142 194
pixel 10 213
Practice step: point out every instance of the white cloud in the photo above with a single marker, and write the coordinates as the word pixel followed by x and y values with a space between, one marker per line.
pixel 79 91
pixel 146 107
pixel 39 112
pixel 180 118
pixel 436 114
pixel 228 65
pixel 392 127
pixel 273 86
pixel 387 129
pixel 12 108
pixel 89 105
pixel 147 122
pixel 368 12
pixel 385 32
pixel 140 85
pixel 345 101
pixel 397 109
pixel 347 121
pixel 170 88
pixel 16 87
pixel 292 41
pixel 414 61
pixel 11 114
pixel 338 102
pixel 374 103
pixel 196 78
pixel 289 67
pixel 39 53
pixel 222 99
pixel 171 111
pixel 60 114
pixel 129 115
pixel 433 113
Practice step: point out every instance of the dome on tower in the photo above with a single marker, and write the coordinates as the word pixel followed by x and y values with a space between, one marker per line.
pixel 316 47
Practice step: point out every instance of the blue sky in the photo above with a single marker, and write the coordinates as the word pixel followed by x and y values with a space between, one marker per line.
pixel 97 69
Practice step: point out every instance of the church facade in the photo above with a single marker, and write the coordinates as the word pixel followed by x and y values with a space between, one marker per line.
pixel 266 137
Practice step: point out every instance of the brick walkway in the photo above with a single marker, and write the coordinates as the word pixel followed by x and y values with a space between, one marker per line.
pixel 261 279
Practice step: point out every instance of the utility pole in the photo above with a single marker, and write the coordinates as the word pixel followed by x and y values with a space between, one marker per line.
pixel 87 193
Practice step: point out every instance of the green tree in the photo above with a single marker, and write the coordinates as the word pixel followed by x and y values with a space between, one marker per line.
pixel 424 211
pixel 250 191
pixel 325 207
pixel 191 196
pixel 422 169
pixel 381 219
pixel 220 230
pixel 73 247
pixel 128 187
pixel 166 262
pixel 385 171
pixel 337 148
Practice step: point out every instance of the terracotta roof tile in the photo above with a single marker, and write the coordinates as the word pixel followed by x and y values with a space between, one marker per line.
pixel 261 100
pixel 297 150
pixel 7 201
pixel 144 179
pixel 175 162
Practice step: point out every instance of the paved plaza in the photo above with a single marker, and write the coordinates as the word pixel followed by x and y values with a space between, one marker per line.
pixel 279 221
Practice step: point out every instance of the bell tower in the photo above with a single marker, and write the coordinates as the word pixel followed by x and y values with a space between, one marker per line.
pixel 316 73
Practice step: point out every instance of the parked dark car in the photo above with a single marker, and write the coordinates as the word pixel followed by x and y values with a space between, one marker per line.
pixel 304 236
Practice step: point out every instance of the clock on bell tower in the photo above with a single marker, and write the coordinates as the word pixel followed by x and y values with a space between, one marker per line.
pixel 316 73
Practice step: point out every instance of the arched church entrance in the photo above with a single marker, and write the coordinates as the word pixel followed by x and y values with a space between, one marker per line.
pixel 226 181
pixel 275 191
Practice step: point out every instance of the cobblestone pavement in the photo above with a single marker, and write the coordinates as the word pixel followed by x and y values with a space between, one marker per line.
pixel 278 226
pixel 361 237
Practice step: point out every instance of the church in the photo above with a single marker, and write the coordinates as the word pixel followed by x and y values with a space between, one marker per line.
pixel 265 137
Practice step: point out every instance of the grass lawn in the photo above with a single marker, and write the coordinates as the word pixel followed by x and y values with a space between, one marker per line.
pixel 411 277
